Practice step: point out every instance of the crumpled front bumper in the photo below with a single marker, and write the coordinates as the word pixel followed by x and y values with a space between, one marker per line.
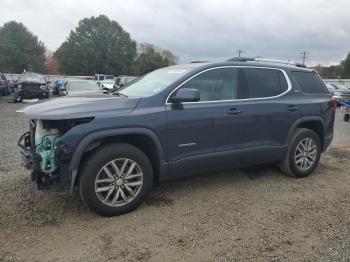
pixel 60 180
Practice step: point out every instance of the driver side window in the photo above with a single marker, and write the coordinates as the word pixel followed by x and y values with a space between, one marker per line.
pixel 216 84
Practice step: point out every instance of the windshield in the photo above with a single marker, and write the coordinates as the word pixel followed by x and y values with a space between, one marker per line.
pixel 153 82
pixel 81 86
pixel 31 78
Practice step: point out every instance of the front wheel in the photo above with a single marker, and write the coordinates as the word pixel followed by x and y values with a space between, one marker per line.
pixel 303 154
pixel 116 179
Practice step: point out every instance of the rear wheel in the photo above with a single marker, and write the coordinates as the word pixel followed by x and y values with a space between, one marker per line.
pixel 116 179
pixel 303 153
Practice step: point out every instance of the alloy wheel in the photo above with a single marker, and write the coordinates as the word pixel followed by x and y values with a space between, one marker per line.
pixel 118 182
pixel 305 153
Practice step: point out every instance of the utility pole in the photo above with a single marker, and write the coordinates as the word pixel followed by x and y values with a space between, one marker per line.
pixel 304 56
pixel 239 52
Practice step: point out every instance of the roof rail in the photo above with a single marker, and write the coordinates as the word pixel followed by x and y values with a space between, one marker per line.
pixel 194 62
pixel 265 60
pixel 241 59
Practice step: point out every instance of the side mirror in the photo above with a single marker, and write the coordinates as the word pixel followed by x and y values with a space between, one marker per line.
pixel 186 95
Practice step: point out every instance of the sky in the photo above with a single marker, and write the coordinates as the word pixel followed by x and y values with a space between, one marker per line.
pixel 211 30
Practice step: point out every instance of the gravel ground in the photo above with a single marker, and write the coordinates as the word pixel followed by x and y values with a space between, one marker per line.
pixel 255 214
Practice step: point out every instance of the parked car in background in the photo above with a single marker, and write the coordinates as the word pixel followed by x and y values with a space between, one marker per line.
pixel 123 80
pixel 11 84
pixel 120 81
pixel 4 86
pixel 31 86
pixel 342 93
pixel 102 77
pixel 331 88
pixel 107 85
pixel 175 122
pixel 77 87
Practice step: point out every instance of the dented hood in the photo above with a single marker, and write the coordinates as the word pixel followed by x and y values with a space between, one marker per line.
pixel 78 107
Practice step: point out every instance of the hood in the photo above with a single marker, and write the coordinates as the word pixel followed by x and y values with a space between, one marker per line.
pixel 78 107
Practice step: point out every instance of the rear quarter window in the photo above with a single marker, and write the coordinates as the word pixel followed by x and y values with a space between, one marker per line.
pixel 310 83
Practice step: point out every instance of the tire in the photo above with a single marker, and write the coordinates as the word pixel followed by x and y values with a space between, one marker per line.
pixel 346 117
pixel 291 165
pixel 94 169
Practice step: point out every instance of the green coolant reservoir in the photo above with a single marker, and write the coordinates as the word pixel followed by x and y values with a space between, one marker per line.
pixel 45 143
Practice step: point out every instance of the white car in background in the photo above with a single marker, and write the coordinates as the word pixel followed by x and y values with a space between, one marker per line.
pixel 342 93
pixel 107 85
pixel 123 80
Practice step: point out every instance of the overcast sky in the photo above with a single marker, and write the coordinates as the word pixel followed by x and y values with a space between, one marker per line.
pixel 203 29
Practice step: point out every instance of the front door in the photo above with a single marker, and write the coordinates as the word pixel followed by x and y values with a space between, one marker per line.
pixel 206 135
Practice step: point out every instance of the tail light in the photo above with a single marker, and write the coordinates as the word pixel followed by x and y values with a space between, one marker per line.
pixel 334 101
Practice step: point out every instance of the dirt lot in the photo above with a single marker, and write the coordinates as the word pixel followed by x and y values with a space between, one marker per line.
pixel 256 214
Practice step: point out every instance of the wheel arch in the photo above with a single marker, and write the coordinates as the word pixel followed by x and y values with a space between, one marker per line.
pixel 142 138
pixel 314 123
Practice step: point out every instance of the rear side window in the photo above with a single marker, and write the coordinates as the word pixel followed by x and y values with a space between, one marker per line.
pixel 310 82
pixel 262 82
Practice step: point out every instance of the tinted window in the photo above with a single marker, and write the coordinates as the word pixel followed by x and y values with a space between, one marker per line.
pixel 216 84
pixel 262 82
pixel 310 82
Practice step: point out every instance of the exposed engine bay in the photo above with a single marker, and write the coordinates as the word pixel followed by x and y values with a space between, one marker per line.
pixel 45 145
pixel 42 148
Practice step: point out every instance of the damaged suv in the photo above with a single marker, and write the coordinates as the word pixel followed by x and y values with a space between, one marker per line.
pixel 178 121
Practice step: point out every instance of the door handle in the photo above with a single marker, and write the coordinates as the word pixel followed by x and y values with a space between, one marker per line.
pixel 292 108
pixel 233 111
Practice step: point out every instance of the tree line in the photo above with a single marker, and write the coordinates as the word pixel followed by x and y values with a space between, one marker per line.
pixel 96 45
pixel 335 71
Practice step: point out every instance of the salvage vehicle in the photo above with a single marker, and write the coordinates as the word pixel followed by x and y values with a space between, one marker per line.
pixel 175 122
pixel 31 86
pixel 78 87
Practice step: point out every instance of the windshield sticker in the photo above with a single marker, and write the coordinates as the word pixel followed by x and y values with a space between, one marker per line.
pixel 177 71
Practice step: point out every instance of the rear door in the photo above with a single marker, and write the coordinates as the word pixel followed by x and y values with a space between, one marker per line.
pixel 270 108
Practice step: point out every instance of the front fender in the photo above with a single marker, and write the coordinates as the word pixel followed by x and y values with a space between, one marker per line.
pixel 86 141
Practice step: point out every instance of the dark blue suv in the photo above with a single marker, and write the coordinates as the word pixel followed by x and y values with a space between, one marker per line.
pixel 178 121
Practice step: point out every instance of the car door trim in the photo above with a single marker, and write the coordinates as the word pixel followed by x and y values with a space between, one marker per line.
pixel 244 99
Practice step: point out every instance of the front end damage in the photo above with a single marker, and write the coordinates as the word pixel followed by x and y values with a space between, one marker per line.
pixel 46 155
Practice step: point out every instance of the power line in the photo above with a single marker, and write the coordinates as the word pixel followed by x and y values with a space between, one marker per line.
pixel 304 56
pixel 239 52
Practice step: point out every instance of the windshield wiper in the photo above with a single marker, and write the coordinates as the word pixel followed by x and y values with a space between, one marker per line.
pixel 119 94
